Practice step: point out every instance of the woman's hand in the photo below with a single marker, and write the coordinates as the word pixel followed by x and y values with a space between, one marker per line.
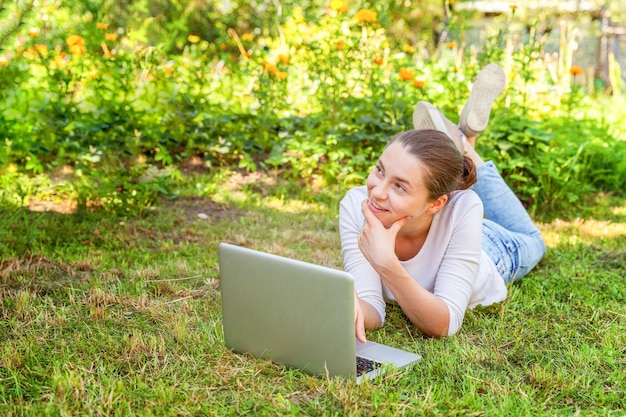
pixel 359 320
pixel 377 242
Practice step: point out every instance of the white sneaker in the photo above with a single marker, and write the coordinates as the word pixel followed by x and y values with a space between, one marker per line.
pixel 488 85
pixel 427 116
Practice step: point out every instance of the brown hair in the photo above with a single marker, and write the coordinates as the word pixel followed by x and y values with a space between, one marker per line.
pixel 447 169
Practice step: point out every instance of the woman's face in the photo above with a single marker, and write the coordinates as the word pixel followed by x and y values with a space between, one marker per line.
pixel 396 188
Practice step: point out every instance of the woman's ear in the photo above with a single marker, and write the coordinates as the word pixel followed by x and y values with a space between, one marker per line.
pixel 436 205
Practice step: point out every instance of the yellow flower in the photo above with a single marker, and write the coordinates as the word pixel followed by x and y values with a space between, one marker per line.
pixel 33 32
pixel 102 25
pixel 283 59
pixel 3 61
pixel 406 74
pixel 247 37
pixel 76 45
pixel 408 49
pixel 77 50
pixel 60 60
pixel 575 70
pixel 42 49
pixel 110 37
pixel 339 6
pixel 193 38
pixel 513 7
pixel 366 16
pixel 31 53
pixel 378 61
pixel 419 83
pixel 451 44
pixel 74 40
pixel 339 45
pixel 281 75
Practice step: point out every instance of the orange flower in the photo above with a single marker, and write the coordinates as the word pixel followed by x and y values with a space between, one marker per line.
pixel 193 38
pixel 281 75
pixel 575 70
pixel 283 59
pixel 269 67
pixel 378 61
pixel 247 37
pixel 33 32
pixel 451 44
pixel 419 83
pixel 339 45
pixel 102 25
pixel 513 7
pixel 366 16
pixel 76 45
pixel 339 6
pixel 110 37
pixel 3 61
pixel 406 74
pixel 146 76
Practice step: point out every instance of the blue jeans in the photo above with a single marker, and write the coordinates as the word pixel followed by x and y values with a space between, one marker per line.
pixel 510 237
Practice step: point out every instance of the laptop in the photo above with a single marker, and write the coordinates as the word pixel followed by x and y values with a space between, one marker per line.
pixel 297 314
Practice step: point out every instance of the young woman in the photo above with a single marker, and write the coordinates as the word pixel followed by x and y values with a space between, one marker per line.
pixel 436 229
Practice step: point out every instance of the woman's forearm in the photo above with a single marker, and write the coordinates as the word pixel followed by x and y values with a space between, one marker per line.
pixel 372 319
pixel 426 311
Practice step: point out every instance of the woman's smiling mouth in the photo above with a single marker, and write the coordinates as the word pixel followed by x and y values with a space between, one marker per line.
pixel 375 207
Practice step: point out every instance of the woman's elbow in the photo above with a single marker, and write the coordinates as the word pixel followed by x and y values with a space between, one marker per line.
pixel 437 332
pixel 436 327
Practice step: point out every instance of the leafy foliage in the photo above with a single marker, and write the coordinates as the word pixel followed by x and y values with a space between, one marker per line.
pixel 312 93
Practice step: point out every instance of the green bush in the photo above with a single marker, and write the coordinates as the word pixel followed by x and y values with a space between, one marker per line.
pixel 313 93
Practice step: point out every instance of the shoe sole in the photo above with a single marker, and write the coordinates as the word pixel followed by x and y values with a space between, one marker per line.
pixel 488 85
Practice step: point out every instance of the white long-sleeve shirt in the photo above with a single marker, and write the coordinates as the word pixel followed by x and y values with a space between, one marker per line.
pixel 451 264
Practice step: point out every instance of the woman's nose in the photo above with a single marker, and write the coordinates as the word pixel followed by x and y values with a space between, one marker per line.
pixel 379 191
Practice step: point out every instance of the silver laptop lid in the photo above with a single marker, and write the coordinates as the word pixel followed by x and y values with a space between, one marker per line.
pixel 298 314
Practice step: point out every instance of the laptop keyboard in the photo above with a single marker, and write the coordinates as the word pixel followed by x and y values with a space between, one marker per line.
pixel 364 365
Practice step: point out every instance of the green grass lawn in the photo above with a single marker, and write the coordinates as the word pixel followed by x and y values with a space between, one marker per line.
pixel 102 315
